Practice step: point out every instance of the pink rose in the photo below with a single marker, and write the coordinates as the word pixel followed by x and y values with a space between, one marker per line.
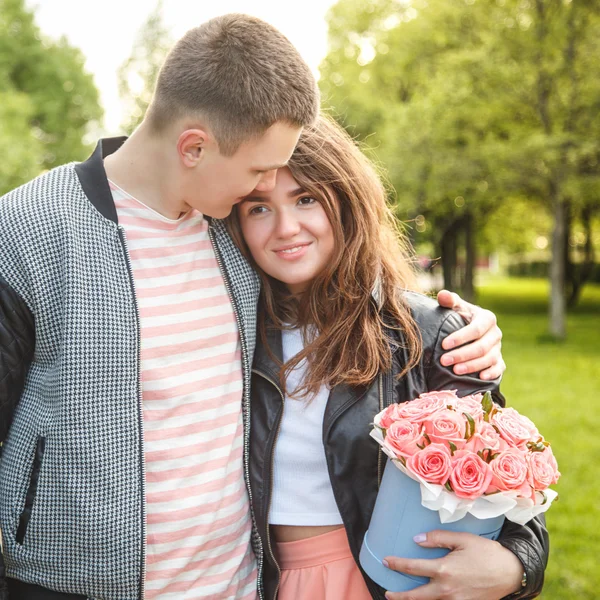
pixel 485 437
pixel 402 438
pixel 471 405
pixel 470 476
pixel 387 416
pixel 509 472
pixel 514 428
pixel 433 463
pixel 543 469
pixel 426 404
pixel 446 427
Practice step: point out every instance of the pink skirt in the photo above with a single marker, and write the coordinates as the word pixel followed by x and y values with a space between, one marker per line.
pixel 320 568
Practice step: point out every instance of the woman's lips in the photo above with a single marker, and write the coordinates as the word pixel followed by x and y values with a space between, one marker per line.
pixel 292 251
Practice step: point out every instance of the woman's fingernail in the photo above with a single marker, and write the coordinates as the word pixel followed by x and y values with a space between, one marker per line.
pixel 420 537
pixel 387 595
pixel 385 563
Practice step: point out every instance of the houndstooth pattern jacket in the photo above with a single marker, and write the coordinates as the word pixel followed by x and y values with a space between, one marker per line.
pixel 72 510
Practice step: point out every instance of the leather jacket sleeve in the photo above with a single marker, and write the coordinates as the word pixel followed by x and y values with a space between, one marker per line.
pixel 528 542
pixel 17 343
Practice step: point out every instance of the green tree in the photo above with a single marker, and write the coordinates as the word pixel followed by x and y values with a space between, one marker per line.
pixel 473 102
pixel 138 74
pixel 409 75
pixel 47 100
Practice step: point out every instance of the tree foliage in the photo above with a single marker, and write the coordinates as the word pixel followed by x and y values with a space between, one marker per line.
pixel 473 105
pixel 47 99
pixel 138 74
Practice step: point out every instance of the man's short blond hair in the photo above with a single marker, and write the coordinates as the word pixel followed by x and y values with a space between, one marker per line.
pixel 241 75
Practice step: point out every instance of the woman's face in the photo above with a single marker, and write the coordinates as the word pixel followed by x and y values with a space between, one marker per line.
pixel 287 232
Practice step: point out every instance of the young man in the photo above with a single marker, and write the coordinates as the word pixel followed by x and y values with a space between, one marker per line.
pixel 127 324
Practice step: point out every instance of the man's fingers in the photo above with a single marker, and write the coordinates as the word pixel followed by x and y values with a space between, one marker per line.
pixel 494 371
pixel 491 359
pixel 477 365
pixel 452 300
pixel 448 299
pixel 484 321
pixel 489 342
pixel 477 345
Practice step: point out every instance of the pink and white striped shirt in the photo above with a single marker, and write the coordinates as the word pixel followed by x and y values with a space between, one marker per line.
pixel 198 521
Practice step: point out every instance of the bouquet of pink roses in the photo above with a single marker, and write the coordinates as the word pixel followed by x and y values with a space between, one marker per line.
pixel 470 456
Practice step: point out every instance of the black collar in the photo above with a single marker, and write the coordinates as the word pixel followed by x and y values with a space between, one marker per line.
pixel 267 361
pixel 94 182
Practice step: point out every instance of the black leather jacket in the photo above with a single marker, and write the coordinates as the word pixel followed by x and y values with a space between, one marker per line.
pixel 354 460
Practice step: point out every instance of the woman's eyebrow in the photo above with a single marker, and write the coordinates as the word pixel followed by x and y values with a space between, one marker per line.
pixel 296 192
pixel 291 194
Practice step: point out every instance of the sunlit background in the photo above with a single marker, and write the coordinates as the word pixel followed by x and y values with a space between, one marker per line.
pixel 483 114
pixel 105 31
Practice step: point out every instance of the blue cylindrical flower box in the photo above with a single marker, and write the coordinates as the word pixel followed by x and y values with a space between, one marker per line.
pixel 399 516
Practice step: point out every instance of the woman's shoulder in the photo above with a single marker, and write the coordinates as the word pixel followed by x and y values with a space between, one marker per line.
pixel 436 323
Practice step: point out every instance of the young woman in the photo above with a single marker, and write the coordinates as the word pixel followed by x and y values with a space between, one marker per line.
pixel 340 337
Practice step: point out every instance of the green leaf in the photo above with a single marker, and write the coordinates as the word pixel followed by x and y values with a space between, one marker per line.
pixel 536 446
pixel 453 448
pixel 487 403
pixel 470 431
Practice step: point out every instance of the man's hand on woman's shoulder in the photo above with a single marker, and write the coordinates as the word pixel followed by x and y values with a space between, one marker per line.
pixel 476 348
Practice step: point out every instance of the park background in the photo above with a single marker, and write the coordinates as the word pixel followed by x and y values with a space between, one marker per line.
pixel 484 118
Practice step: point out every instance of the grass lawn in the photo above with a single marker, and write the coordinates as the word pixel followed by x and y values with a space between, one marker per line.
pixel 557 386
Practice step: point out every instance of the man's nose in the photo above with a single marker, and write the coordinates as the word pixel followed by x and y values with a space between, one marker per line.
pixel 267 181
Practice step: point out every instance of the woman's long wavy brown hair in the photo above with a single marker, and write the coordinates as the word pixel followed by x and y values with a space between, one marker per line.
pixel 348 310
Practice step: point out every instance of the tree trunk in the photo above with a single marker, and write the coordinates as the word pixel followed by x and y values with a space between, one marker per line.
pixel 587 266
pixel 468 290
pixel 557 267
pixel 570 268
pixel 448 253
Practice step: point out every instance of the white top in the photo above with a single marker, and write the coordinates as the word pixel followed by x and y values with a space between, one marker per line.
pixel 302 493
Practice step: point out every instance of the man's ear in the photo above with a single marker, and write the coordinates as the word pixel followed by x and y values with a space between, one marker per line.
pixel 191 145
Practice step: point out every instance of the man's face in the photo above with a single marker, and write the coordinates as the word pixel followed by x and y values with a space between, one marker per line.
pixel 220 181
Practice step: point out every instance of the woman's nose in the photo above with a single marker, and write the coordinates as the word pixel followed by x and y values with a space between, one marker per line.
pixel 287 224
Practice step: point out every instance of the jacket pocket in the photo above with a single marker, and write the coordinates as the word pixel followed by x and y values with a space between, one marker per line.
pixel 32 490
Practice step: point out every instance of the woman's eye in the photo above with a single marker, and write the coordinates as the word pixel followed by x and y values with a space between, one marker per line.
pixel 306 200
pixel 256 210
